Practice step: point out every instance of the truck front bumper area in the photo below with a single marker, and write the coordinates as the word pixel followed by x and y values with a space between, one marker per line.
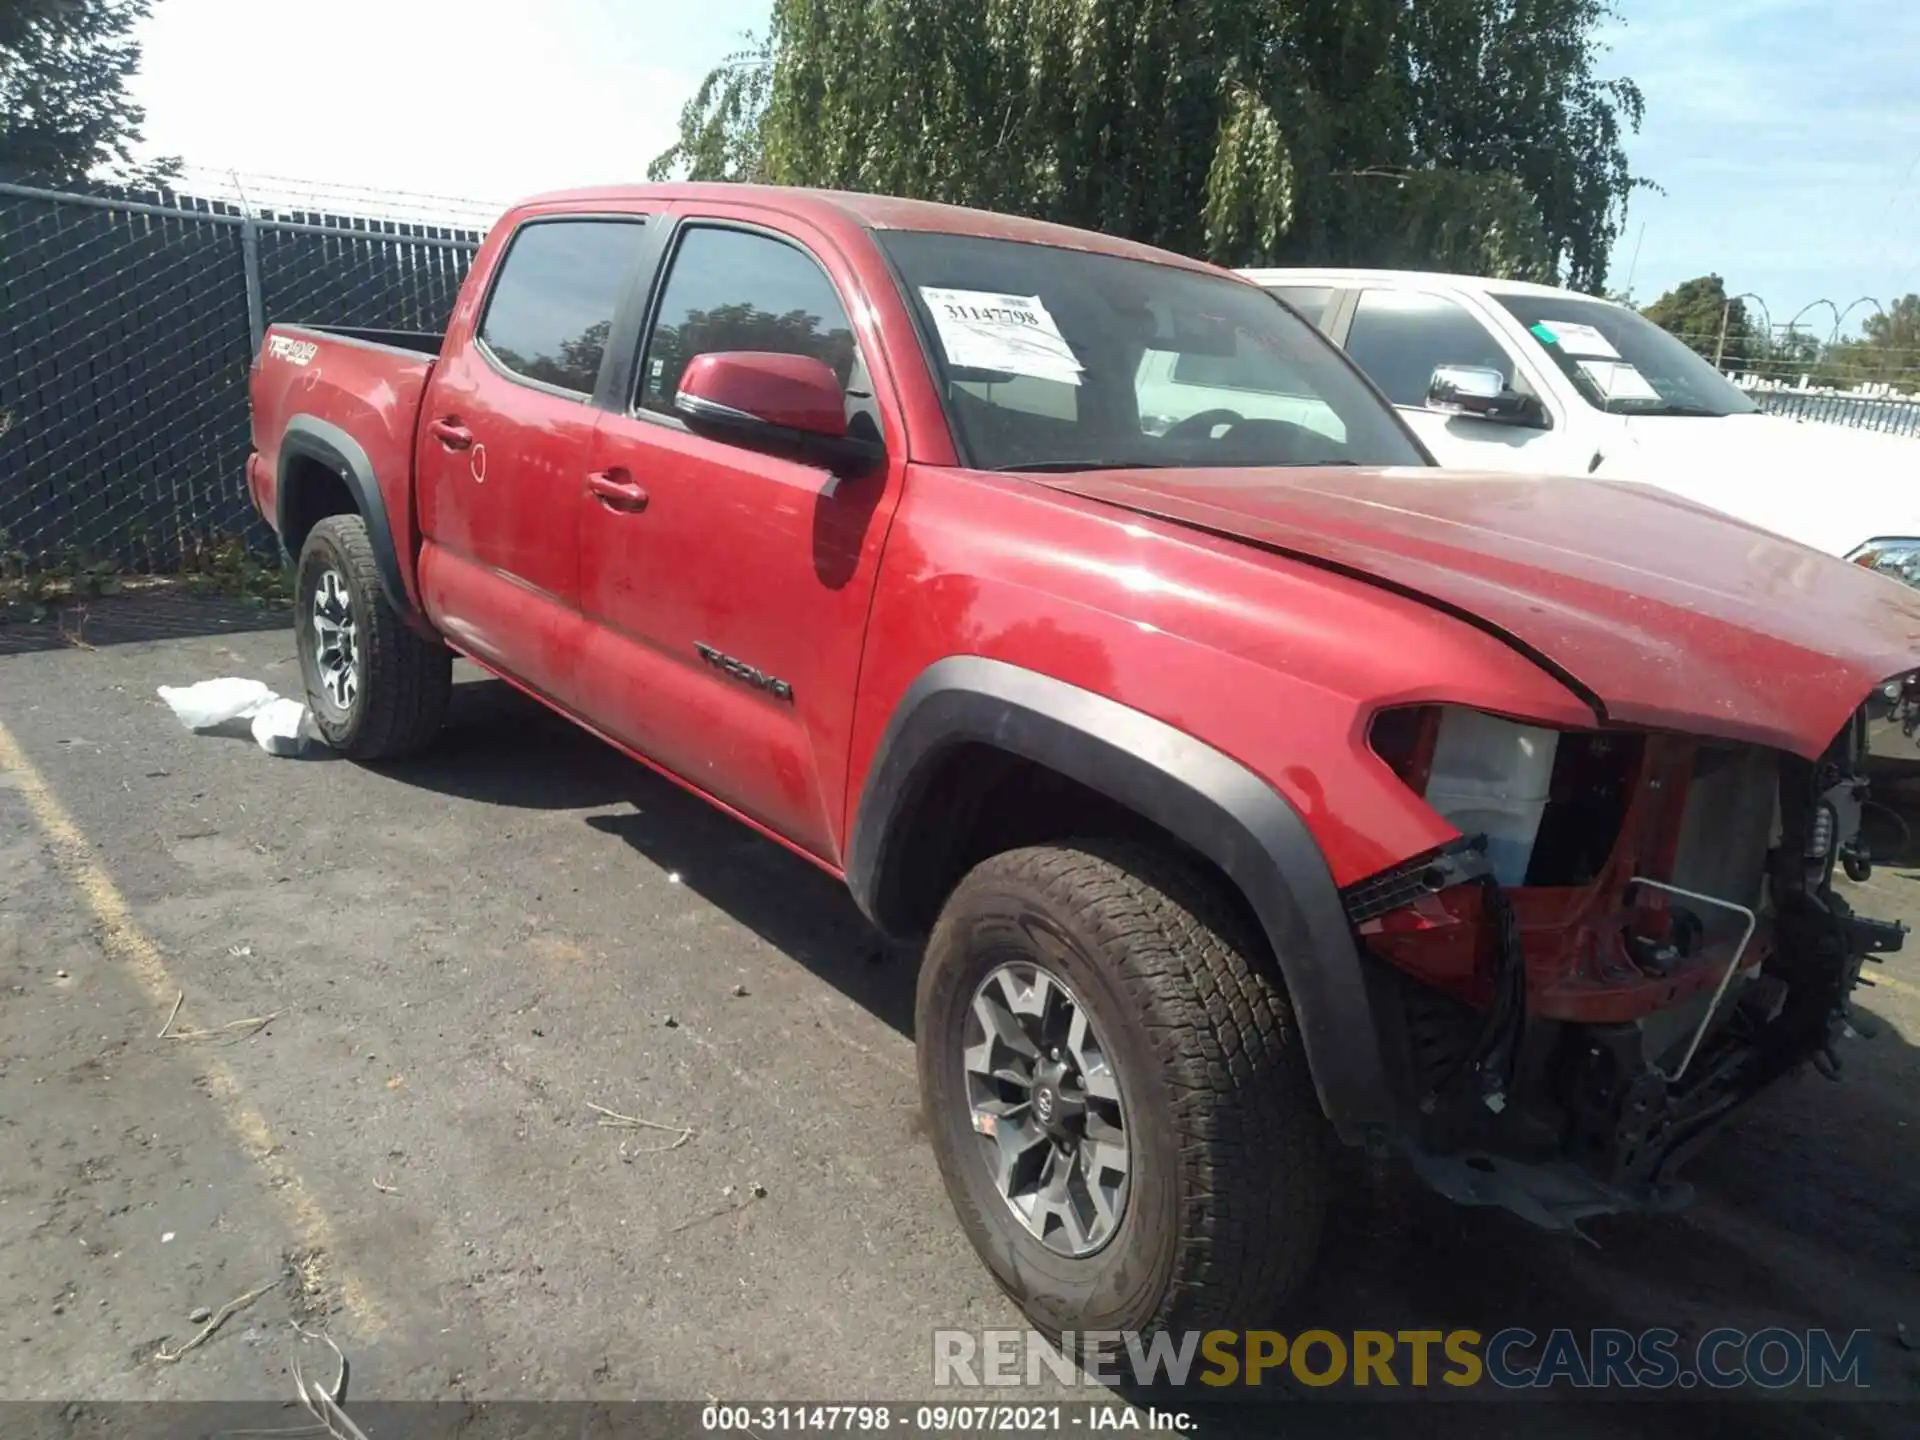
pixel 1582 1119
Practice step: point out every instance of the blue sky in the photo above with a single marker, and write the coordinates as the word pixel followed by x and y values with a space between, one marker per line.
pixel 1786 133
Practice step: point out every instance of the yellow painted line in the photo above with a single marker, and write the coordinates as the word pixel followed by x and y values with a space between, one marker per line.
pixel 1883 981
pixel 125 942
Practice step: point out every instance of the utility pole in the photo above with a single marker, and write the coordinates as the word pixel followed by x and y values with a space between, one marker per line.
pixel 1720 345
pixel 1634 265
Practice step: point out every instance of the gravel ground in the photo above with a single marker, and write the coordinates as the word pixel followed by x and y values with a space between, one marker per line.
pixel 465 955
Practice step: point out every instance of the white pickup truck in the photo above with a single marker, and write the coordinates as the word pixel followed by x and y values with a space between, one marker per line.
pixel 1504 375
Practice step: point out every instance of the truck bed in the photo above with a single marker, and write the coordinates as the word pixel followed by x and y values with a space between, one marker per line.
pixel 342 398
pixel 424 342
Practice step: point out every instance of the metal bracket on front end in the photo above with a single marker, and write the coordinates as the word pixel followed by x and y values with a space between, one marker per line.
pixel 1726 979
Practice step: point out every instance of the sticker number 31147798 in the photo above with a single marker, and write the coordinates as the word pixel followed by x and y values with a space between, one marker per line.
pixel 1007 334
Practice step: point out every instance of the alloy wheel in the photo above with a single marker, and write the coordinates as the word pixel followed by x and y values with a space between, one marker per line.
pixel 336 648
pixel 1045 1102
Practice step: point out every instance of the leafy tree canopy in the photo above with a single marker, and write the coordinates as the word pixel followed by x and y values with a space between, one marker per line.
pixel 1693 311
pixel 1473 135
pixel 64 109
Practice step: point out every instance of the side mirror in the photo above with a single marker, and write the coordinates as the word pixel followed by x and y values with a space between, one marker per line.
pixel 782 404
pixel 1482 393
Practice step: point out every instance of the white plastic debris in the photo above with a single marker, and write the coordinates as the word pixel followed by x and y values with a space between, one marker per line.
pixel 277 727
pixel 277 724
pixel 213 703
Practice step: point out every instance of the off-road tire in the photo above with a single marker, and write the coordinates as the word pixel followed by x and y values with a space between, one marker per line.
pixel 403 678
pixel 1229 1152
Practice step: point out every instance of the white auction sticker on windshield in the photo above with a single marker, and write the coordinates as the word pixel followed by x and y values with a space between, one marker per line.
pixel 1582 341
pixel 1013 334
pixel 1617 380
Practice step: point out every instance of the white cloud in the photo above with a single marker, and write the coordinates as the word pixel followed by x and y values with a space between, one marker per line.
pixel 487 99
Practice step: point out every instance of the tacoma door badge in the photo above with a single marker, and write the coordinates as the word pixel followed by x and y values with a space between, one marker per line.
pixel 740 670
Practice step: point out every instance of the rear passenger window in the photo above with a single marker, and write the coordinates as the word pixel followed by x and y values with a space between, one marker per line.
pixel 1310 300
pixel 732 290
pixel 552 305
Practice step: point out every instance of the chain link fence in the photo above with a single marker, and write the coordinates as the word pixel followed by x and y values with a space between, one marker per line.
pixel 129 325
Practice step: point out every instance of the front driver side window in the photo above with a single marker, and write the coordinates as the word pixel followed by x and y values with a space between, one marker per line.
pixel 735 290
pixel 1400 337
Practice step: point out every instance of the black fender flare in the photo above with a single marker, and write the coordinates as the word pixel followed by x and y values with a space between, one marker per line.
pixel 1207 800
pixel 310 438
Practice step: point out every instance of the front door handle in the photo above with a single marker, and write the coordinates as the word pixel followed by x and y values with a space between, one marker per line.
pixel 452 434
pixel 617 490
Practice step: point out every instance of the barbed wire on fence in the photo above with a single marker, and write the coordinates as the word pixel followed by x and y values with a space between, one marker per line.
pixel 262 194
pixel 1794 356
pixel 1791 371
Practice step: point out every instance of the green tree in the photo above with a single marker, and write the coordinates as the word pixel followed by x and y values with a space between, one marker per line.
pixel 1694 311
pixel 1464 134
pixel 64 109
pixel 1787 355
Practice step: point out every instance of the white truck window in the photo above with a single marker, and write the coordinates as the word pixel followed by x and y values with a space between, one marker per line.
pixel 1400 337
pixel 1312 301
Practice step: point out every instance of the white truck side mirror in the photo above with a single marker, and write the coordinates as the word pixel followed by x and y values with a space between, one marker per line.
pixel 1479 391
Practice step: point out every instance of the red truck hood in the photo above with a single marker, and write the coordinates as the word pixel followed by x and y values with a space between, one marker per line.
pixel 1664 613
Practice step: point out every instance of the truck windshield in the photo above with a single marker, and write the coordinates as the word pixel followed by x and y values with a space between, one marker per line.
pixel 1622 362
pixel 1052 359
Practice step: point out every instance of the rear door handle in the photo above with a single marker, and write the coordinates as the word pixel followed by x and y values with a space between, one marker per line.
pixel 452 434
pixel 617 490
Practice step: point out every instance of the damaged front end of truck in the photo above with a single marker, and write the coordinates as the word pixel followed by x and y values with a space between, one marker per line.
pixel 1637 932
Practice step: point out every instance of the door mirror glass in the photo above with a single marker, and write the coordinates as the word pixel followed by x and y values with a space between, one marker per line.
pixel 1480 392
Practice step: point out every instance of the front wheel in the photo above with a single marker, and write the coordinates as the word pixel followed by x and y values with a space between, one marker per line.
pixel 377 690
pixel 1116 1093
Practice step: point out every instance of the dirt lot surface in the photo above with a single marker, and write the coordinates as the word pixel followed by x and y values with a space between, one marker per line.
pixel 465 955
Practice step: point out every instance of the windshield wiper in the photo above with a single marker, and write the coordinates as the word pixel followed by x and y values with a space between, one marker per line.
pixel 1701 410
pixel 1068 467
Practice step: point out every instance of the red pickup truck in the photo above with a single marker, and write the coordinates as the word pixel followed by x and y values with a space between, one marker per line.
pixel 1255 788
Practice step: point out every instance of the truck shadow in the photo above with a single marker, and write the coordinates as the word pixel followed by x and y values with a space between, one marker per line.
pixel 501 748
pixel 1808 1208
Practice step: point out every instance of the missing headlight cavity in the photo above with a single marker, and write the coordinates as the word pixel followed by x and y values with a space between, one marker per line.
pixel 1550 803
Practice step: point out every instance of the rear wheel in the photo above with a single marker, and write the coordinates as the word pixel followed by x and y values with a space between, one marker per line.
pixel 1116 1093
pixel 377 689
